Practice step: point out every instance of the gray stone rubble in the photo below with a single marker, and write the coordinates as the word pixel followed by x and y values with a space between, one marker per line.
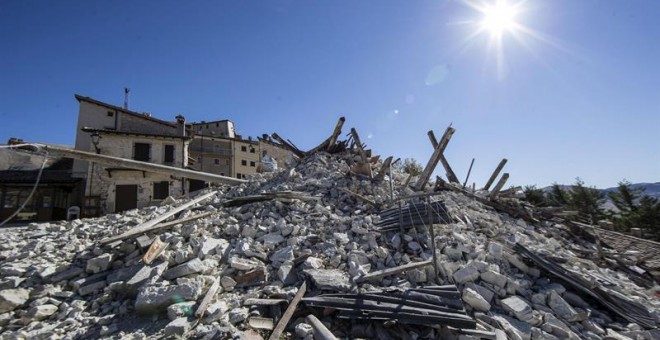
pixel 57 282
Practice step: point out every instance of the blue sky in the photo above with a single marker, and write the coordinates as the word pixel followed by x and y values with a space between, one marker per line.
pixel 579 97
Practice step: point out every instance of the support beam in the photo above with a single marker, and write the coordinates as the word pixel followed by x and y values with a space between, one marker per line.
pixel 208 297
pixel 288 145
pixel 330 141
pixel 358 144
pixel 451 176
pixel 284 321
pixel 499 185
pixel 468 174
pixel 112 161
pixel 152 224
pixel 435 158
pixel 495 174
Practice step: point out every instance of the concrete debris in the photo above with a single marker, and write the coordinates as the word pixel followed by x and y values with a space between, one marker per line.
pixel 226 264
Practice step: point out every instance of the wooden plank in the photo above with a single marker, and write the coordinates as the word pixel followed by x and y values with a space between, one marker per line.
pixel 383 169
pixel 156 247
pixel 288 146
pixel 111 161
pixel 435 158
pixel 394 270
pixel 359 146
pixel 468 174
pixel 206 301
pixel 329 143
pixel 499 185
pixel 495 174
pixel 152 224
pixel 284 321
pixel 451 176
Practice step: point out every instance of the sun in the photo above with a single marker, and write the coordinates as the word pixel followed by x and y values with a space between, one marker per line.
pixel 499 18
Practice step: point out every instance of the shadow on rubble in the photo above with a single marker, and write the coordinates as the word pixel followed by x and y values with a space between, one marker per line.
pixel 131 324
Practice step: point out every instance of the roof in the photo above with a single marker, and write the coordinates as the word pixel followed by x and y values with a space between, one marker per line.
pixel 129 133
pixel 210 122
pixel 236 139
pixel 58 172
pixel 121 109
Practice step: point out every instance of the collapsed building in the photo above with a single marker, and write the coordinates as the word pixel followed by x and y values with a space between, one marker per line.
pixel 339 245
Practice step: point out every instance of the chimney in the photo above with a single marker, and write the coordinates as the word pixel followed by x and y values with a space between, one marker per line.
pixel 181 125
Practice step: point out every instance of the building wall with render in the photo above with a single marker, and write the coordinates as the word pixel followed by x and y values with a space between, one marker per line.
pixel 102 182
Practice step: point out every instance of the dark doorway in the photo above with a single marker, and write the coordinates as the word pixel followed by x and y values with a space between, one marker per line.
pixel 196 185
pixel 125 197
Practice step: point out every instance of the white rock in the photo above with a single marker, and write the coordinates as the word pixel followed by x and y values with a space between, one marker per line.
pixel 466 274
pixel 11 299
pixel 474 299
pixel 99 263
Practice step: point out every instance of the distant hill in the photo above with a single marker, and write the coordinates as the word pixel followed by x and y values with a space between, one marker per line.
pixel 650 189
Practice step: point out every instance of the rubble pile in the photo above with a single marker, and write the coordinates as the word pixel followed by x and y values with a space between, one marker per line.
pixel 308 245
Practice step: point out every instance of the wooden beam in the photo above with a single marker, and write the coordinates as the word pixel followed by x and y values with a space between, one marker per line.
pixel 383 169
pixel 394 270
pixel 286 317
pixel 359 146
pixel 330 141
pixel 157 247
pixel 495 174
pixel 119 162
pixel 499 185
pixel 468 174
pixel 435 158
pixel 288 145
pixel 152 224
pixel 451 176
pixel 206 301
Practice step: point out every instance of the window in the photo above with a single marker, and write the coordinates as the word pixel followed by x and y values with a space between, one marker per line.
pixel 161 190
pixel 252 164
pixel 238 176
pixel 222 174
pixel 252 149
pixel 243 162
pixel 142 152
pixel 243 148
pixel 216 161
pixel 110 113
pixel 217 124
pixel 169 154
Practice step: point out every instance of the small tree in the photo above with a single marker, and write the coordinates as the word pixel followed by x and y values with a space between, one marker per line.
pixel 534 195
pixel 558 196
pixel 411 166
pixel 586 200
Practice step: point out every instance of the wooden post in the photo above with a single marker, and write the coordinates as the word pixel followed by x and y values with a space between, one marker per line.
pixel 451 176
pixel 468 174
pixel 435 158
pixel 288 313
pixel 499 185
pixel 320 331
pixel 358 144
pixel 495 174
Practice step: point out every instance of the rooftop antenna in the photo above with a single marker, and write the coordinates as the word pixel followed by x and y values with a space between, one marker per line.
pixel 126 91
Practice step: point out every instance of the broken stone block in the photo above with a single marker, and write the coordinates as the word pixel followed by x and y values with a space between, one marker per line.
pixel 154 299
pixel 330 279
pixel 518 308
pixel 495 250
pixel 417 275
pixel 237 315
pixel 281 255
pixel 286 274
pixel 561 307
pixel 539 298
pixel 304 331
pixel 191 267
pixel 227 283
pixel 486 293
pixel 342 238
pixel 466 274
pixel 553 287
pixel 179 310
pixel 313 263
pixel 91 288
pixel 210 246
pixel 11 299
pixel 474 299
pixel 99 263
pixel 575 300
pixel 513 328
pixel 144 275
pixel 494 278
pixel 38 313
pixel 177 327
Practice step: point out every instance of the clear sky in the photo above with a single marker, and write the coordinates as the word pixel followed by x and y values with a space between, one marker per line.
pixel 574 89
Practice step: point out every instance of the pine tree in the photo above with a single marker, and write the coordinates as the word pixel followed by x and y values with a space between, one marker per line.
pixel 534 195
